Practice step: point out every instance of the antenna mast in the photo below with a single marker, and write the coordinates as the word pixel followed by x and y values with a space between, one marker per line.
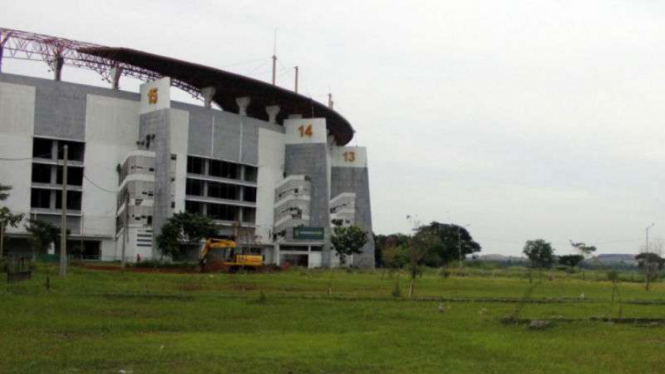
pixel 274 60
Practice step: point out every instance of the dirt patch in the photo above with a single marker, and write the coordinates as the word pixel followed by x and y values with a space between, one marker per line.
pixel 183 270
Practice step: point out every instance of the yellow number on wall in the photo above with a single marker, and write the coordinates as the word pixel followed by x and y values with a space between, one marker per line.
pixel 306 131
pixel 349 156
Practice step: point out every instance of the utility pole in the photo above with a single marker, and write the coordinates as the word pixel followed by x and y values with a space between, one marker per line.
pixel 296 68
pixel 63 228
pixel 647 265
pixel 274 69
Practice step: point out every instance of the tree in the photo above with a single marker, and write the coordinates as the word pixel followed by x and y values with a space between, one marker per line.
pixel 42 234
pixel 389 243
pixel 585 250
pixel 650 264
pixel 454 242
pixel 395 256
pixel 421 244
pixel 182 230
pixel 571 260
pixel 348 241
pixel 4 192
pixel 7 218
pixel 540 253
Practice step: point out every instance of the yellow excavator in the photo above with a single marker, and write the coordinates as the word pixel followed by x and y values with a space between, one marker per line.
pixel 224 255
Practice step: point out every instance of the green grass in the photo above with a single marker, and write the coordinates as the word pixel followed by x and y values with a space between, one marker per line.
pixel 104 322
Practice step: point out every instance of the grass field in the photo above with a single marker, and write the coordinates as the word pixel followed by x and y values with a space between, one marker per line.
pixel 326 322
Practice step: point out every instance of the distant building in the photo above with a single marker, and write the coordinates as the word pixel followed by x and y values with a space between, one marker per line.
pixel 271 162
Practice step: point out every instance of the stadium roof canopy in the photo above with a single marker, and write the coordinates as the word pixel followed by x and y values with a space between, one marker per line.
pixel 188 76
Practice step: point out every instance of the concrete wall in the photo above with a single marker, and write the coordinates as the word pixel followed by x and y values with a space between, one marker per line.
pixel 271 171
pixel 350 174
pixel 158 123
pixel 112 128
pixel 17 114
pixel 307 154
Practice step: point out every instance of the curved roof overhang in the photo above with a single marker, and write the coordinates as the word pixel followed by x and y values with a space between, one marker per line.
pixel 229 86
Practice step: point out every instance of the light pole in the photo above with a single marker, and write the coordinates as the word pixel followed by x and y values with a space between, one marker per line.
pixel 459 242
pixel 647 230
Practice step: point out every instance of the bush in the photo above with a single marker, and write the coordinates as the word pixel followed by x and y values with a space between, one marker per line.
pixel 613 275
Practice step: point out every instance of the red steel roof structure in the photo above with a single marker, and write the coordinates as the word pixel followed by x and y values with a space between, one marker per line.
pixel 187 76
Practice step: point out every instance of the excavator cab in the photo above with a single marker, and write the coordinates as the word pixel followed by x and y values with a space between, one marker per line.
pixel 224 255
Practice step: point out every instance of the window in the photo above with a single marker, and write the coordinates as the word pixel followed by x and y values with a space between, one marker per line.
pixel 230 170
pixel 195 165
pixel 41 173
pixel 74 176
pixel 248 215
pixel 40 198
pixel 194 187
pixel 42 148
pixel 224 169
pixel 215 168
pixel 73 200
pixel 249 194
pixel 194 207
pixel 251 173
pixel 223 191
pixel 223 212
pixel 75 150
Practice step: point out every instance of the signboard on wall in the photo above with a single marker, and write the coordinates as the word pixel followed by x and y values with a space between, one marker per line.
pixel 308 233
pixel 306 131
pixel 350 157
pixel 155 95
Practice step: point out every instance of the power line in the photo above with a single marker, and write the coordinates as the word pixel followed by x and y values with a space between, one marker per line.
pixel 98 186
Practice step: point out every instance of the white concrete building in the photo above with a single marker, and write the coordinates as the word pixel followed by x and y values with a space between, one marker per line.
pixel 270 160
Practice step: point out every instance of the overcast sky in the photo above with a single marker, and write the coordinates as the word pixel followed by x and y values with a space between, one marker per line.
pixel 524 119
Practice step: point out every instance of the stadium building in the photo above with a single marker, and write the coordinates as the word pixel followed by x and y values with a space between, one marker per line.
pixel 257 158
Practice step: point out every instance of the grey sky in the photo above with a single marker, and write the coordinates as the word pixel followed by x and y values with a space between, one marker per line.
pixel 525 119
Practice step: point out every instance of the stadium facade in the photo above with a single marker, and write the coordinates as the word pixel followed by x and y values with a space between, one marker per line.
pixel 270 166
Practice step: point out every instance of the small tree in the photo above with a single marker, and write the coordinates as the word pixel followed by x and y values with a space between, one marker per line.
pixel 650 264
pixel 583 249
pixel 42 234
pixel 421 243
pixel 184 229
pixel 7 218
pixel 348 241
pixel 571 260
pixel 540 253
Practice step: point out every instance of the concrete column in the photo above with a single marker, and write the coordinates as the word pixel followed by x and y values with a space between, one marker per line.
pixel 57 67
pixel 272 111
pixel 208 93
pixel 116 73
pixel 243 104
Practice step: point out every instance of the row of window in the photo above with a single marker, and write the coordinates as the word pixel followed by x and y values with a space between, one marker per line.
pixel 221 169
pixel 42 173
pixel 52 199
pixel 222 212
pixel 54 149
pixel 218 190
